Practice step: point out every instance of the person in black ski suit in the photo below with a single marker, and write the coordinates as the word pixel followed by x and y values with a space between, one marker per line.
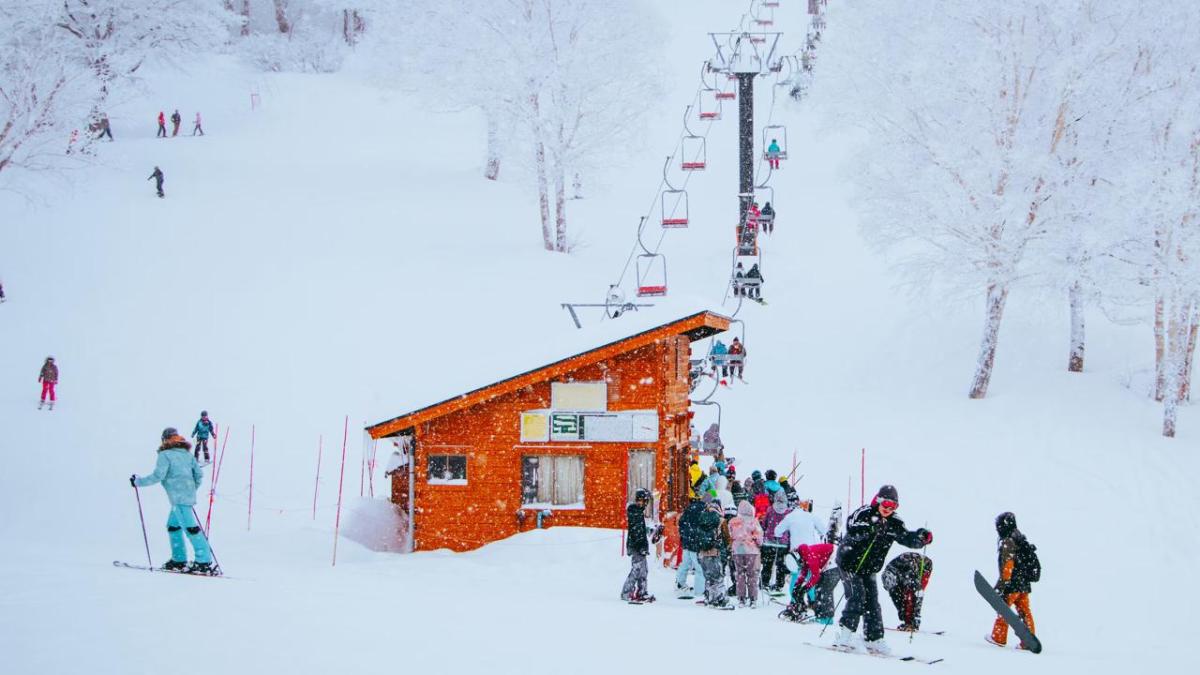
pixel 709 530
pixel 636 588
pixel 905 579
pixel 158 180
pixel 754 290
pixel 870 532
pixel 690 539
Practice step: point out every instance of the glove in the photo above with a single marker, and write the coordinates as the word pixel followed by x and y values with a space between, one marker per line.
pixel 925 535
pixel 132 480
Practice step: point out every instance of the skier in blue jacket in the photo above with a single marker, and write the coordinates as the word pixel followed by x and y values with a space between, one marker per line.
pixel 180 476
pixel 203 429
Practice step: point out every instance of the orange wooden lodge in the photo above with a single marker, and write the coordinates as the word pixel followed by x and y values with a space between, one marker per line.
pixel 565 444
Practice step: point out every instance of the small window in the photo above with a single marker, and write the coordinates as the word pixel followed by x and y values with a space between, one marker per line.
pixel 447 470
pixel 552 482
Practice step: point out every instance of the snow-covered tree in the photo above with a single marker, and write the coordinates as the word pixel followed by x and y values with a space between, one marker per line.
pixel 564 80
pixel 967 107
pixel 41 95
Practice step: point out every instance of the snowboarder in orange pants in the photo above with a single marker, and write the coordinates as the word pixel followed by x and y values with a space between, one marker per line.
pixel 1019 568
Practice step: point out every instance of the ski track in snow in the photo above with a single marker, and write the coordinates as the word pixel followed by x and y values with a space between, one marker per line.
pixel 338 253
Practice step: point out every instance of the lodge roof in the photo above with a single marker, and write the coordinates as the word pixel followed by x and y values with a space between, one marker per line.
pixel 696 327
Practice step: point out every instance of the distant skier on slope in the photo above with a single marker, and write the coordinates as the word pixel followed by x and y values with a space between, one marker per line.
pixel 1019 568
pixel 158 181
pixel 49 379
pixel 180 476
pixel 162 125
pixel 870 532
pixel 201 432
pixel 636 588
pixel 905 579
pixel 196 128
pixel 176 119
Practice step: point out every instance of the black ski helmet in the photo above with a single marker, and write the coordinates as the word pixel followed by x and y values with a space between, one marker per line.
pixel 1006 524
pixel 888 492
pixel 642 495
pixel 204 413
pixel 169 432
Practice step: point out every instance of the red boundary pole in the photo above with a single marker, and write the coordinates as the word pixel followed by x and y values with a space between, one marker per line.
pixel 337 523
pixel 250 501
pixel 212 484
pixel 317 481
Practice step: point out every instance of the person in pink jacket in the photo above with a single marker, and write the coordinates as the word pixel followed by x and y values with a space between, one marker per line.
pixel 746 536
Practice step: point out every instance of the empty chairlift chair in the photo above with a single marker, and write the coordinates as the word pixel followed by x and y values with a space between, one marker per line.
pixel 651 275
pixel 692 153
pixel 764 15
pixel 674 208
pixel 709 107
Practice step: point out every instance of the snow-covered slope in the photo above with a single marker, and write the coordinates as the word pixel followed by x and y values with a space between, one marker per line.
pixel 336 253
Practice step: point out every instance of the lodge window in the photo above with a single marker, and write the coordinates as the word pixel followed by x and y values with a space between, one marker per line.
pixel 552 481
pixel 447 470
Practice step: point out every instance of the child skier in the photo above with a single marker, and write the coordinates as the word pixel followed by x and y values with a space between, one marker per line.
pixel 905 579
pixel 746 536
pixel 636 588
pixel 201 432
pixel 162 125
pixel 180 476
pixel 870 532
pixel 1019 568
pixel 158 181
pixel 49 379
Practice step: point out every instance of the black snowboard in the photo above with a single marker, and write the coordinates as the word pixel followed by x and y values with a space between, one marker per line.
pixel 1028 640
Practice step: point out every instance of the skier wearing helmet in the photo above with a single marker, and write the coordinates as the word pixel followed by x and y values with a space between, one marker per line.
pixel 201 432
pixel 636 588
pixel 870 532
pixel 49 379
pixel 180 476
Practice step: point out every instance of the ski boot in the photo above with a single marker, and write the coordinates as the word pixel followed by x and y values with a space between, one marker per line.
pixel 206 569
pixel 794 614
pixel 878 647
pixel 175 566
pixel 52 405
pixel 847 640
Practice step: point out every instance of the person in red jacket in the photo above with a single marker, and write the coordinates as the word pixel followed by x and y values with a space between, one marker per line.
pixel 162 125
pixel 49 378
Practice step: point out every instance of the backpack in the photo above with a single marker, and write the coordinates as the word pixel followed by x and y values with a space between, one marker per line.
pixel 1026 563
pixel 761 503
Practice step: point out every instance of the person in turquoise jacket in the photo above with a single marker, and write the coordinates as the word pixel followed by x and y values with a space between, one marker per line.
pixel 203 429
pixel 773 153
pixel 180 476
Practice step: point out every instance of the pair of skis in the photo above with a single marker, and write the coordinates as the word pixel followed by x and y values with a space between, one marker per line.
pixel 146 568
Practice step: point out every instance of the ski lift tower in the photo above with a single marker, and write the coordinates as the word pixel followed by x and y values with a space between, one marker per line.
pixel 745 55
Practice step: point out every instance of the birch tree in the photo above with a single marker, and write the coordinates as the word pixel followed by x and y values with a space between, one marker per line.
pixel 965 113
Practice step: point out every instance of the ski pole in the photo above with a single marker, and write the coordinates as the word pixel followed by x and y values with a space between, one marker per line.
pixel 145 539
pixel 921 590
pixel 211 552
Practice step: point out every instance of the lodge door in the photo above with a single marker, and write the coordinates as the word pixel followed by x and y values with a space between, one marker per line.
pixel 640 474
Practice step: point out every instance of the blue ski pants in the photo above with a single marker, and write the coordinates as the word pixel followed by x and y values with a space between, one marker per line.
pixel 179 521
pixel 691 561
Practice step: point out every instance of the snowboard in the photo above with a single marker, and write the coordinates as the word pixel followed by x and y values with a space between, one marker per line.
pixel 147 568
pixel 1028 640
pixel 727 607
pixel 909 659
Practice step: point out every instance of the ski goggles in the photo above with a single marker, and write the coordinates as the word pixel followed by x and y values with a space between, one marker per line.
pixel 889 504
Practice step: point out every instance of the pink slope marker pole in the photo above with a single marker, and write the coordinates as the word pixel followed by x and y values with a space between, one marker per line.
pixel 337 523
pixel 250 501
pixel 362 469
pixel 317 482
pixel 862 479
pixel 212 488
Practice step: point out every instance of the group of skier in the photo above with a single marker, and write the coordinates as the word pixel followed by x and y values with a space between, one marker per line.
pixel 176 120
pixel 764 536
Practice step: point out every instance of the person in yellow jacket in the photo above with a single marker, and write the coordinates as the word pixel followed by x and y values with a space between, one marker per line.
pixel 695 475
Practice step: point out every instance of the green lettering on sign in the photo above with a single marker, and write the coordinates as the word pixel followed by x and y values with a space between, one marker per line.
pixel 564 425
